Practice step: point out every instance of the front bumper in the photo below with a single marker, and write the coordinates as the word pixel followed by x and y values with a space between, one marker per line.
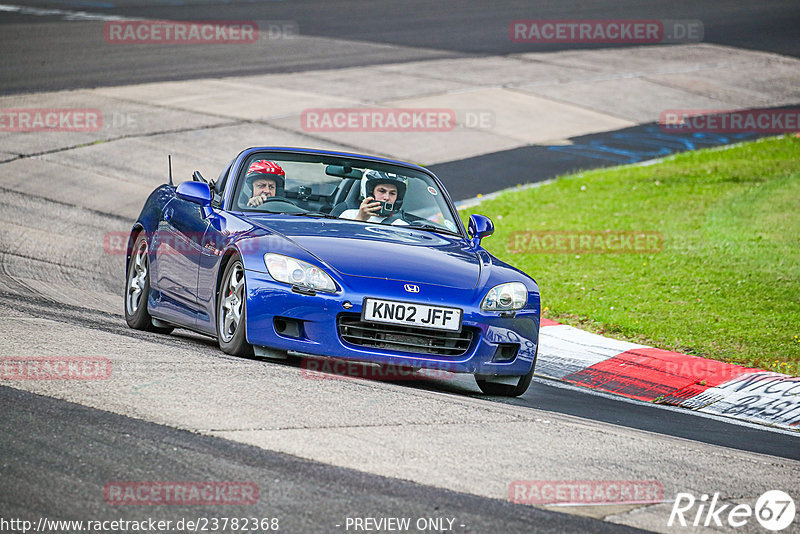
pixel 502 346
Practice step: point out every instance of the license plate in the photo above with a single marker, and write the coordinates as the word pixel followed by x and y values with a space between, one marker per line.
pixel 411 314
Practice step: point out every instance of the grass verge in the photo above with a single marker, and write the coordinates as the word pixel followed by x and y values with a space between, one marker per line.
pixel 725 283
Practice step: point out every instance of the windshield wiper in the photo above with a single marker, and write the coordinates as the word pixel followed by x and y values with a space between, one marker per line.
pixel 433 228
pixel 314 214
pixel 273 212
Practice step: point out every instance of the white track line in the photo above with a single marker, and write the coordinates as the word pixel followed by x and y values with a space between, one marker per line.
pixel 720 418
pixel 65 14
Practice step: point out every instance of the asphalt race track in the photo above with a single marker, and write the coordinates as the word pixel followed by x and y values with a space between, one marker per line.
pixel 320 451
pixel 419 30
pixel 81 448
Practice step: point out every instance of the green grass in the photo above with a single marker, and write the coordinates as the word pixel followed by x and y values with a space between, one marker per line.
pixel 725 285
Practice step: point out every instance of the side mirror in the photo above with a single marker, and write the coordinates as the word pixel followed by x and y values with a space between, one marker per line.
pixel 197 192
pixel 479 226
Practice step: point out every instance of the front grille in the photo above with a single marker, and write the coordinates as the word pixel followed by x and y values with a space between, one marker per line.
pixel 403 338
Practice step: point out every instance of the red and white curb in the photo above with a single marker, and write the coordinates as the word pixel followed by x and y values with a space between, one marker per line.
pixel 654 375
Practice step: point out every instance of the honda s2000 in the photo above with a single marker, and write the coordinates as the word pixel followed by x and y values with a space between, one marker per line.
pixel 295 251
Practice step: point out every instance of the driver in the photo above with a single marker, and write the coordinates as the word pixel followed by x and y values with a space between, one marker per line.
pixel 378 189
pixel 267 179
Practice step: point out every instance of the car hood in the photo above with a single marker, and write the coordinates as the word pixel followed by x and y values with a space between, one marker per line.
pixel 387 252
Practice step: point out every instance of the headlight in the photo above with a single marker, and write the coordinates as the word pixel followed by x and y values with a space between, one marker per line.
pixel 506 297
pixel 298 273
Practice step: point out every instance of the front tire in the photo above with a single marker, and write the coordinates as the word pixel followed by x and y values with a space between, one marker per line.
pixel 137 290
pixel 508 390
pixel 232 311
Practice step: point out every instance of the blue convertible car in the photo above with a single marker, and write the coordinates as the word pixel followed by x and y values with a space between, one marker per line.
pixel 295 251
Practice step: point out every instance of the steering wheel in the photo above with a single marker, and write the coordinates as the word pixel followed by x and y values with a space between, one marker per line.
pixel 275 199
pixel 272 200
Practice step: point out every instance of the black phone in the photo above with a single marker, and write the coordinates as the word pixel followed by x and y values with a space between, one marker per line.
pixel 387 208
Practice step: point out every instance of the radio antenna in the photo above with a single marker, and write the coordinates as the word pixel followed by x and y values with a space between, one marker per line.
pixel 169 159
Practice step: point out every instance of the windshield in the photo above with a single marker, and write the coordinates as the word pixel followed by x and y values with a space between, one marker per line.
pixel 326 186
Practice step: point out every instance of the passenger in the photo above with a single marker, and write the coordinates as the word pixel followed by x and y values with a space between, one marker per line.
pixel 267 179
pixel 376 188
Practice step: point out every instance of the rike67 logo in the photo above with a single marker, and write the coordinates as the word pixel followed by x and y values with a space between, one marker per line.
pixel 774 510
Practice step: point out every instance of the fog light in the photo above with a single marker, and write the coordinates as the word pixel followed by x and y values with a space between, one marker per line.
pixel 506 352
pixel 287 327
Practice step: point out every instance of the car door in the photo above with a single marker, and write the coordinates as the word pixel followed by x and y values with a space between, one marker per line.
pixel 178 244
pixel 214 243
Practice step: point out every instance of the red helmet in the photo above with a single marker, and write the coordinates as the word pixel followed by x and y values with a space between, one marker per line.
pixel 266 169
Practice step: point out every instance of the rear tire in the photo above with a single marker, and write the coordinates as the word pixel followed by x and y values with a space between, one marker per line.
pixel 232 311
pixel 137 290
